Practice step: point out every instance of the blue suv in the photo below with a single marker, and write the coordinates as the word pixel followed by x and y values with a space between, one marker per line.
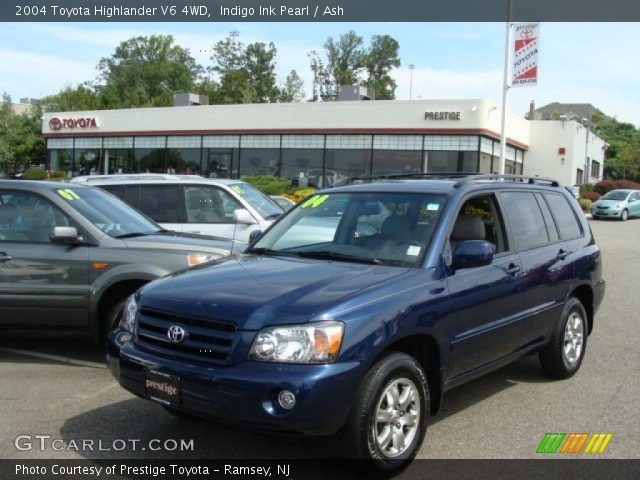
pixel 355 311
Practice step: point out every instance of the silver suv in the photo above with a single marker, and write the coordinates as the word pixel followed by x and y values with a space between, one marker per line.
pixel 193 204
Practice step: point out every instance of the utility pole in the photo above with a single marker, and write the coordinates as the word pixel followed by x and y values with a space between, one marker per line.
pixel 587 174
pixel 505 89
pixel 411 67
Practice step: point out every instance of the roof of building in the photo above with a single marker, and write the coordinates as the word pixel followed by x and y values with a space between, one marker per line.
pixel 571 110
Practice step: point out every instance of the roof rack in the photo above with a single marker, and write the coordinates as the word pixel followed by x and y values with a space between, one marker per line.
pixel 398 176
pixel 507 178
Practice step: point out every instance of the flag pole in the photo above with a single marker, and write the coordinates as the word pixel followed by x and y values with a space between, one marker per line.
pixel 505 89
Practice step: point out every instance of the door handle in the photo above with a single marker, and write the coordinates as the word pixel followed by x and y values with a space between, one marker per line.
pixel 562 254
pixel 4 257
pixel 512 269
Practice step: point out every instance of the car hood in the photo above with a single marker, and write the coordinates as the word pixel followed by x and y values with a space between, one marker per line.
pixel 254 291
pixel 608 203
pixel 185 242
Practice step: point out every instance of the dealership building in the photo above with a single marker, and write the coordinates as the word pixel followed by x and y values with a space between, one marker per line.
pixel 319 143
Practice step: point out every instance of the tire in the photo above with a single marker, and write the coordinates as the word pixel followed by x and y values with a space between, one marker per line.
pixel 397 373
pixel 114 317
pixel 625 215
pixel 563 356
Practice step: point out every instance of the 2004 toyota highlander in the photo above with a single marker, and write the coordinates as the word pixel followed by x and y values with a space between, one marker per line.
pixel 422 285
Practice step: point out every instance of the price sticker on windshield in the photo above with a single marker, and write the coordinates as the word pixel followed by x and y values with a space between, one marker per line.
pixel 68 194
pixel 315 202
pixel 238 189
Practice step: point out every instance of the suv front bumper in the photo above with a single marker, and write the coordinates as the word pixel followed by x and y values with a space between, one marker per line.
pixel 246 393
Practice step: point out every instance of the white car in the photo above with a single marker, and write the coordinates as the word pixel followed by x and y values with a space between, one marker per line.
pixel 193 204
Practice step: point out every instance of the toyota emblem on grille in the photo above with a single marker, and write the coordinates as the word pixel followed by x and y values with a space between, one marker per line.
pixel 176 333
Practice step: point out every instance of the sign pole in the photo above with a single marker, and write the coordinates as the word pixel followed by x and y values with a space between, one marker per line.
pixel 505 90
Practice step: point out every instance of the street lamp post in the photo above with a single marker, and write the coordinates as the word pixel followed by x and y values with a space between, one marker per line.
pixel 587 123
pixel 411 67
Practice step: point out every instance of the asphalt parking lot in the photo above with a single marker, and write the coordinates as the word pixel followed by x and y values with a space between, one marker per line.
pixel 54 384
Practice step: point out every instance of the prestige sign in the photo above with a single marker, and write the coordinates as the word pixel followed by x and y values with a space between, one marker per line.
pixel 58 124
pixel 442 115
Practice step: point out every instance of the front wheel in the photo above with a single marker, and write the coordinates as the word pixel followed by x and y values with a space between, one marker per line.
pixel 389 418
pixel 625 215
pixel 563 356
pixel 114 317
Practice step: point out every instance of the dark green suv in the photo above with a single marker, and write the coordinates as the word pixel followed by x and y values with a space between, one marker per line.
pixel 70 254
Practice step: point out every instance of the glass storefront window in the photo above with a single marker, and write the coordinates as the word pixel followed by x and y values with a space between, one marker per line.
pixel 452 161
pixel 218 162
pixel 61 161
pixel 302 166
pixel 86 161
pixel 485 163
pixel 118 161
pixel 343 164
pixel 389 162
pixel 184 161
pixel 259 161
pixel 150 160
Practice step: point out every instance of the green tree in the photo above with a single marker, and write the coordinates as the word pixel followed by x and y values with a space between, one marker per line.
pixel 21 143
pixel 146 71
pixel 293 88
pixel 82 97
pixel 380 59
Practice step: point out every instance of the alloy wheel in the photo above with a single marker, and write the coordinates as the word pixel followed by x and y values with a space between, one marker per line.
pixel 573 338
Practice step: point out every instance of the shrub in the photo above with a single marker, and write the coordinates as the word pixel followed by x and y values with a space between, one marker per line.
pixel 586 187
pixel 269 185
pixel 300 194
pixel 585 203
pixel 593 196
pixel 34 173
pixel 626 184
pixel 604 186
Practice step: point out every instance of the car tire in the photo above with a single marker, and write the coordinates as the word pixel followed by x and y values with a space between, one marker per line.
pixel 392 443
pixel 114 317
pixel 624 215
pixel 563 356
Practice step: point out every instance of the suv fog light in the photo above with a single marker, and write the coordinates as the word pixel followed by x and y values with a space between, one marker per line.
pixel 286 399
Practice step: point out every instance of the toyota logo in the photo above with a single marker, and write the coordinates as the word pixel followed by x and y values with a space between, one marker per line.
pixel 527 32
pixel 176 333
pixel 55 123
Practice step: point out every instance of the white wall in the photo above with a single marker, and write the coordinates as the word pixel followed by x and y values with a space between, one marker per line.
pixel 548 136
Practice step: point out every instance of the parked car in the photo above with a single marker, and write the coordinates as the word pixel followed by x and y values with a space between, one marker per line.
pixel 70 255
pixel 361 334
pixel 283 202
pixel 620 204
pixel 193 204
pixel 3 176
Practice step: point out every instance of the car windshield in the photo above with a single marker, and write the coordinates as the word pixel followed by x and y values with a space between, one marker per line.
pixel 108 213
pixel 616 195
pixel 377 228
pixel 266 207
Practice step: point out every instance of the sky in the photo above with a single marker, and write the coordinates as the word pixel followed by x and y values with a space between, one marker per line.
pixel 579 62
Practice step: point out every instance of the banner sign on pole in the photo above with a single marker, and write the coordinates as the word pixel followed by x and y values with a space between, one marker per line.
pixel 524 55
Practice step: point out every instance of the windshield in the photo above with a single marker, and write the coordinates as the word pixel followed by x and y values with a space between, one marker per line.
pixel 108 213
pixel 616 195
pixel 377 228
pixel 266 207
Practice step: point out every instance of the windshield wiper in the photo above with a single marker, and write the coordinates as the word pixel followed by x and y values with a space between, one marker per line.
pixel 268 251
pixel 329 255
pixel 132 235
pixel 274 216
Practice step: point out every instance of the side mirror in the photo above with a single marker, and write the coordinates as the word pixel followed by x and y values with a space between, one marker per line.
pixel 242 215
pixel 472 253
pixel 65 236
pixel 254 236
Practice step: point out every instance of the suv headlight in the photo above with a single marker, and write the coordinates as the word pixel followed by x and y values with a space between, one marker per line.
pixel 310 343
pixel 198 259
pixel 129 314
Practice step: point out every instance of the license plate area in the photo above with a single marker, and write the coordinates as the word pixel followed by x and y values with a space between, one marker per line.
pixel 162 387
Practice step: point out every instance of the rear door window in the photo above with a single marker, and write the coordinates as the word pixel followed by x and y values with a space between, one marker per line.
pixel 528 228
pixel 566 220
pixel 117 190
pixel 161 202
pixel 548 219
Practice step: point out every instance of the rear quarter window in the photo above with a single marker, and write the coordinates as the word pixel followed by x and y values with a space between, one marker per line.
pixel 568 225
pixel 528 228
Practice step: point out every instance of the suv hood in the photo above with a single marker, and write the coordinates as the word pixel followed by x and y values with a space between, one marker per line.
pixel 254 291
pixel 185 242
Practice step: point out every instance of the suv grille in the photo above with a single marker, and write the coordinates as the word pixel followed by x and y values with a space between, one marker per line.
pixel 206 341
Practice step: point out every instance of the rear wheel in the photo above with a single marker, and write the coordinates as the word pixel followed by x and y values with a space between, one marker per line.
pixel 625 215
pixel 563 355
pixel 389 418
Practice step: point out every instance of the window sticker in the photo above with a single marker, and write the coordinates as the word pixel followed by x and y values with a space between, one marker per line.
pixel 68 194
pixel 315 202
pixel 413 250
pixel 238 189
pixel 433 207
